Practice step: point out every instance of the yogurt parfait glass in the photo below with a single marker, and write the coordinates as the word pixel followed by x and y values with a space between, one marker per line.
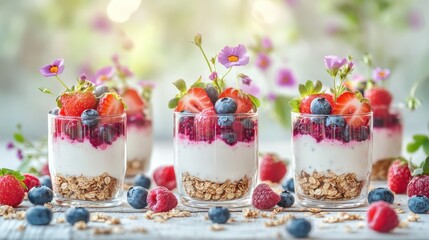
pixel 87 163
pixel 331 159
pixel 387 139
pixel 214 165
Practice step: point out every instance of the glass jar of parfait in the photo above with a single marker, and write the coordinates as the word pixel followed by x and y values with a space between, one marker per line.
pixel 215 158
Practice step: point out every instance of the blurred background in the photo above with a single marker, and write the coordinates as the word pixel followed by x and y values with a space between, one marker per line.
pixel 153 38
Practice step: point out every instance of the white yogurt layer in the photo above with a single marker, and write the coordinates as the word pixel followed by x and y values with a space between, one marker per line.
pixel 216 161
pixel 81 158
pixel 139 142
pixel 387 143
pixel 310 155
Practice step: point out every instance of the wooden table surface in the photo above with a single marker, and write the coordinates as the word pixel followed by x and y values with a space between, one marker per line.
pixel 134 224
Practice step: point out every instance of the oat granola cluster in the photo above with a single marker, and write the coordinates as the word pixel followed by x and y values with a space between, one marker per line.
pixel 135 166
pixel 99 188
pixel 330 186
pixel 380 169
pixel 213 191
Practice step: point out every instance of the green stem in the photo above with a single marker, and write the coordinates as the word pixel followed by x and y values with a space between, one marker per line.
pixel 62 82
pixel 205 57
pixel 229 70
pixel 335 89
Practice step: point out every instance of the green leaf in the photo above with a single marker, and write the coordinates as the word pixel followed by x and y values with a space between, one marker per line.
pixel 425 166
pixel 282 110
pixel 173 103
pixel 302 90
pixel 318 87
pixel 309 86
pixel 294 104
pixel 45 90
pixel 420 138
pixel 180 85
pixel 254 100
pixel 19 137
pixel 412 147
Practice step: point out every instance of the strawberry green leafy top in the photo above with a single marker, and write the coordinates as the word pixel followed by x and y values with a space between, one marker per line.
pixel 16 174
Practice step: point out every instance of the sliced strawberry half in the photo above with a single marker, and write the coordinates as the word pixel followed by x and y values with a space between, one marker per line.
pixel 305 104
pixel 110 104
pixel 348 103
pixel 133 101
pixel 244 104
pixel 194 101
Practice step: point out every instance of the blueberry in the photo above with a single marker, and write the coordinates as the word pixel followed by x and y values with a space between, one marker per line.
pixel 286 199
pixel 229 137
pixel 247 123
pixel 320 106
pixel 74 130
pixel 137 197
pixel 418 204
pixel 298 227
pixel 39 215
pixel 101 89
pixel 318 120
pixel 142 181
pixel 288 185
pixel 55 111
pixel 380 194
pixel 335 121
pixel 45 181
pixel 213 93
pixel 225 105
pixel 76 214
pixel 106 133
pixel 90 117
pixel 219 214
pixel 225 121
pixel 40 195
pixel 362 133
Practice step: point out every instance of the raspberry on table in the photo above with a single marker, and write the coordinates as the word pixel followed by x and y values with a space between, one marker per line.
pixel 382 217
pixel 30 181
pixel 160 199
pixel 264 197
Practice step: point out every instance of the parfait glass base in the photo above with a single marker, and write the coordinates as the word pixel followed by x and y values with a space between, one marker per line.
pixel 330 204
pixel 195 203
pixel 88 204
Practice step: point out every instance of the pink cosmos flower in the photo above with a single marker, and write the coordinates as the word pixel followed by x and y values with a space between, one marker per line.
pixel 246 80
pixel 263 61
pixel 266 43
pixel 271 96
pixel 380 74
pixel 213 76
pixel 233 56
pixel 103 75
pixel 285 78
pixel 53 69
pixel 10 145
pixel 252 89
pixel 334 63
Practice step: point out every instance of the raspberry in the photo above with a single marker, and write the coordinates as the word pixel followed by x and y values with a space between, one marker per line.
pixel 418 186
pixel 272 168
pixel 164 176
pixel 398 176
pixel 381 217
pixel 12 189
pixel 263 197
pixel 160 199
pixel 30 181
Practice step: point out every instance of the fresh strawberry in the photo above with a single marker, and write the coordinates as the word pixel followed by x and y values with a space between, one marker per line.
pixel 244 104
pixel 304 106
pixel 272 168
pixel 12 187
pixel 133 101
pixel 398 176
pixel 74 103
pixel 348 103
pixel 419 185
pixel 30 181
pixel 110 104
pixel 164 176
pixel 194 101
pixel 380 100
pixel 382 217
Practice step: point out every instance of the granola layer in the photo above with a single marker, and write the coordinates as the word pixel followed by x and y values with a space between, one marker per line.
pixel 135 167
pixel 99 188
pixel 329 185
pixel 380 169
pixel 214 191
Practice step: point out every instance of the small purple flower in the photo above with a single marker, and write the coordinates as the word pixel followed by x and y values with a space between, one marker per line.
pixel 271 96
pixel 83 77
pixel 358 78
pixel 285 78
pixel 246 80
pixel 19 154
pixel 53 69
pixel 125 71
pixel 380 74
pixel 263 61
pixel 350 65
pixel 233 56
pixel 103 75
pixel 101 23
pixel 266 43
pixel 252 89
pixel 213 76
pixel 334 63
pixel 10 145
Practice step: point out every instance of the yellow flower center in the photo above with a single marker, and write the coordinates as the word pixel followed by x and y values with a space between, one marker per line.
pixel 53 69
pixel 264 63
pixel 381 74
pixel 103 78
pixel 232 58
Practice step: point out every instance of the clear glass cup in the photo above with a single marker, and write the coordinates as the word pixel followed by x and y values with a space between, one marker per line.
pixel 387 135
pixel 331 159
pixel 87 163
pixel 139 140
pixel 214 165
